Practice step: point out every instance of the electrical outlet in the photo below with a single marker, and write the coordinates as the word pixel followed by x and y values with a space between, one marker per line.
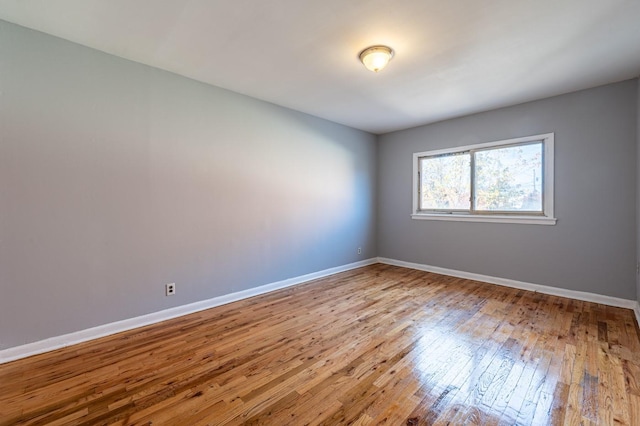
pixel 359 250
pixel 170 289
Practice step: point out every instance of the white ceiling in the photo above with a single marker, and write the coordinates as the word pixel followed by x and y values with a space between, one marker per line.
pixel 453 57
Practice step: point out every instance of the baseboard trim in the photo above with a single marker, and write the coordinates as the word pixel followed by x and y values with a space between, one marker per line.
pixel 58 342
pixel 554 291
pixel 53 343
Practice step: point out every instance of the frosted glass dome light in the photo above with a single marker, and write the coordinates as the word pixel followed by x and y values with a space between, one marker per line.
pixel 375 58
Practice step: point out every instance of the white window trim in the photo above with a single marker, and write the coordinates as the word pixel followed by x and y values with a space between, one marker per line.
pixel 546 219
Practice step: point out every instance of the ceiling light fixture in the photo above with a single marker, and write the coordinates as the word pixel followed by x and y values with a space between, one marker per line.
pixel 375 58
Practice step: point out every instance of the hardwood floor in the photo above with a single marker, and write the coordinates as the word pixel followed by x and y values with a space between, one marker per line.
pixel 377 345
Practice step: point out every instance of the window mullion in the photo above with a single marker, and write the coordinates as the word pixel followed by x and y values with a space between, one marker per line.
pixel 472 177
pixel 419 185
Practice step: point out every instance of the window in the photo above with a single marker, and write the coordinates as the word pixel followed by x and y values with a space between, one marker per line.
pixel 506 181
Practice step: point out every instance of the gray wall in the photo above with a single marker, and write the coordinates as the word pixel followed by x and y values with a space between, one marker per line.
pixel 116 178
pixel 638 193
pixel 591 248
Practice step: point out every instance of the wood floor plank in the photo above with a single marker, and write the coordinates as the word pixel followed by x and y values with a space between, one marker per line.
pixel 375 345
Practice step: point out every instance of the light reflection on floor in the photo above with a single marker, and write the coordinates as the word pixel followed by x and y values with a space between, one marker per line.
pixel 476 384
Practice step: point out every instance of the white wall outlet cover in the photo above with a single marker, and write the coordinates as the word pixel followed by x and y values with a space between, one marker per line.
pixel 170 289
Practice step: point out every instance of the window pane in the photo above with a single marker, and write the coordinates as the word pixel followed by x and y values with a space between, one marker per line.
pixel 445 182
pixel 509 179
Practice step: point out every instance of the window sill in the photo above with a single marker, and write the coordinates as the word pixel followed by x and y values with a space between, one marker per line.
pixel 527 220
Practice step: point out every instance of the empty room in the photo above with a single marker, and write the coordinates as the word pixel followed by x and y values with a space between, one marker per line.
pixel 414 212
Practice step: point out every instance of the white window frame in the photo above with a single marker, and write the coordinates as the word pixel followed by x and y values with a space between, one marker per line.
pixel 546 218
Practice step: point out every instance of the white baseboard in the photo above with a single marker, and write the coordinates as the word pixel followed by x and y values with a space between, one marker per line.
pixel 57 342
pixel 50 344
pixel 554 291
